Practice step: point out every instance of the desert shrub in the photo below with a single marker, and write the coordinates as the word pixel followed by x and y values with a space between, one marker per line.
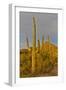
pixel 46 64
pixel 25 64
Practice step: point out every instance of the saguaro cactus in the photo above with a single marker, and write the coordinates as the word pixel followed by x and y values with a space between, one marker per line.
pixel 42 41
pixel 33 44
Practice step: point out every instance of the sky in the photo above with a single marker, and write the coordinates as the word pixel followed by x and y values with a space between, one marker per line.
pixel 46 24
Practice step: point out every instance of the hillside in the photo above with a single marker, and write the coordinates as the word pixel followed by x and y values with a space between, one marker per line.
pixel 46 61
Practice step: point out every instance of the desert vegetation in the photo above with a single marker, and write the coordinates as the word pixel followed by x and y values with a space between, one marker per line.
pixel 46 63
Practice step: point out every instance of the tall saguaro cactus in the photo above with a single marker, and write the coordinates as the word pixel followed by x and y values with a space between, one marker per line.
pixel 27 41
pixel 38 43
pixel 42 41
pixel 33 44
